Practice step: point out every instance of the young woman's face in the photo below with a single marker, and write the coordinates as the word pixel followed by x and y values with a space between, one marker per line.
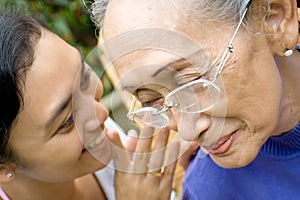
pixel 61 112
pixel 155 52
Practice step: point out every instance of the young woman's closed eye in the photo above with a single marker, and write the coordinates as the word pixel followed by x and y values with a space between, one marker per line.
pixel 67 126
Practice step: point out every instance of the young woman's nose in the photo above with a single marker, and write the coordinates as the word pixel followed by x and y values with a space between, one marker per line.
pixel 100 114
pixel 98 111
pixel 99 90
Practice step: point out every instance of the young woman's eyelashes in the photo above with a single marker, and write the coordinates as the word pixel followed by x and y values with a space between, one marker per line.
pixel 67 125
pixel 86 79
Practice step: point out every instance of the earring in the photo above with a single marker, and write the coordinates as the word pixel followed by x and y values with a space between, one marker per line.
pixel 288 52
pixel 9 175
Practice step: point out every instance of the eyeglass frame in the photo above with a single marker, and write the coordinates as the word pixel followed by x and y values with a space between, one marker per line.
pixel 230 49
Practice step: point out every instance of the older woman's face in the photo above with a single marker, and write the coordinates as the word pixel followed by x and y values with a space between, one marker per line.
pixel 155 50
pixel 61 112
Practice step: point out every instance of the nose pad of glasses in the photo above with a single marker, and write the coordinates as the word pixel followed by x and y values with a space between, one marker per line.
pixel 150 117
pixel 159 121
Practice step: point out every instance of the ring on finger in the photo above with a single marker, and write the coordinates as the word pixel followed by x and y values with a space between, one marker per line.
pixel 158 174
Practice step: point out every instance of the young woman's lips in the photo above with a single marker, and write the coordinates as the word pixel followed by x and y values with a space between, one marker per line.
pixel 222 145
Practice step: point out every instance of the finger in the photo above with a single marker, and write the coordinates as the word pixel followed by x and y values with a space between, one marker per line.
pixel 131 142
pixel 158 154
pixel 170 166
pixel 188 153
pixel 145 140
pixel 118 152
pixel 142 154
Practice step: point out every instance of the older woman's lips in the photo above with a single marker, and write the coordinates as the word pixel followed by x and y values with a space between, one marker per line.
pixel 222 145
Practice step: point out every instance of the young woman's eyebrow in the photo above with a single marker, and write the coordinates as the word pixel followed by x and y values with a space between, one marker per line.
pixel 85 79
pixel 64 103
pixel 58 110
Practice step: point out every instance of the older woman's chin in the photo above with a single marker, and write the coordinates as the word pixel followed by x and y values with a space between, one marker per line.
pixel 235 160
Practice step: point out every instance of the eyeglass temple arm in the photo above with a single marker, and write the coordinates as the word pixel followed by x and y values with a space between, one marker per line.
pixel 133 102
pixel 230 48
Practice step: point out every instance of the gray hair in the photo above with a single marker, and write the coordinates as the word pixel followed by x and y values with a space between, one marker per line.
pixel 97 11
pixel 217 10
pixel 208 10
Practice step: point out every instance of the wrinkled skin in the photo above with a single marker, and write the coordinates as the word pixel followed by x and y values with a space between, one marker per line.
pixel 260 94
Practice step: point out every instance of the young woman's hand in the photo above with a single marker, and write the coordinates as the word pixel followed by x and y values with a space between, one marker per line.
pixel 144 170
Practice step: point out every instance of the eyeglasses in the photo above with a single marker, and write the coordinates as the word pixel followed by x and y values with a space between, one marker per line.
pixel 194 97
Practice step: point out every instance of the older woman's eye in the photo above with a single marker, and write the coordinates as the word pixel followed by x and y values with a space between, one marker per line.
pixel 190 74
pixel 157 103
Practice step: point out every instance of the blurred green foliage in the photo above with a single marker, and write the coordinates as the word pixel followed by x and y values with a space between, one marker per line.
pixel 70 19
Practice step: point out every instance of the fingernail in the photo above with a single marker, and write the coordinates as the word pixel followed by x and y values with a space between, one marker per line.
pixel 92 125
pixel 132 133
pixel 166 129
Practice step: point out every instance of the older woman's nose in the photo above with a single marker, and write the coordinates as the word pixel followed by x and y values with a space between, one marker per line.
pixel 191 126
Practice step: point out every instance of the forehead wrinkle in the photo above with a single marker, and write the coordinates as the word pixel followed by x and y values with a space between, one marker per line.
pixel 181 63
pixel 174 65
pixel 132 14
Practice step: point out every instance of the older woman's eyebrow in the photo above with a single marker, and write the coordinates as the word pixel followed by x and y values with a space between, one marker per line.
pixel 182 62
pixel 171 65
pixel 64 103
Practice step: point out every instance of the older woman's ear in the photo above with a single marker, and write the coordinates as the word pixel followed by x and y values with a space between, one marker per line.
pixel 281 25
